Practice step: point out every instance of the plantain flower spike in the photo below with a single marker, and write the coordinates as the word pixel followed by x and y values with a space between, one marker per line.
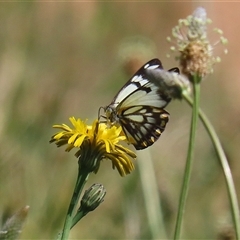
pixel 195 51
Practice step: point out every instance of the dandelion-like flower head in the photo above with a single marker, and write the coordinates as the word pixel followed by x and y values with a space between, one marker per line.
pixel 95 143
pixel 196 51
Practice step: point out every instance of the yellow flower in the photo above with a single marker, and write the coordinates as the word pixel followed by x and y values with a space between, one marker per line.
pixel 95 143
pixel 196 52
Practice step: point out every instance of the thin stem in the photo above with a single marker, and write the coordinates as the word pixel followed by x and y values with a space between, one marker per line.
pixel 151 196
pixel 81 180
pixel 188 166
pixel 225 167
pixel 80 214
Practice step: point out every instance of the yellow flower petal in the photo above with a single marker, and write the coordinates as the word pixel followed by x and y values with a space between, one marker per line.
pixel 102 142
pixel 79 141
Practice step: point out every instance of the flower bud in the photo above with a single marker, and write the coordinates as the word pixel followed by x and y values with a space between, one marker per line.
pixel 93 197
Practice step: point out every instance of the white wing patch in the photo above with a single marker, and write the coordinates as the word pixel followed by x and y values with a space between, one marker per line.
pixel 136 82
pixel 147 95
pixel 126 91
pixel 148 66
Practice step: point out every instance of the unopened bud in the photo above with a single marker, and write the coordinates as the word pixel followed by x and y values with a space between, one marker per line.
pixel 93 197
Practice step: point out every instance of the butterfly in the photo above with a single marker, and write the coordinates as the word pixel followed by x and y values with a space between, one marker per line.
pixel 139 107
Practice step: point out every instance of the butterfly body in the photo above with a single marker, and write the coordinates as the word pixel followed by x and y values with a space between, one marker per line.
pixel 139 108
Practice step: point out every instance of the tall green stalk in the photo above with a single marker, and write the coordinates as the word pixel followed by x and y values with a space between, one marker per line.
pixel 188 166
pixel 225 167
pixel 151 197
pixel 81 180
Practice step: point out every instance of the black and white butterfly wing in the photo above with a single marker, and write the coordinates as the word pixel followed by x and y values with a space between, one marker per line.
pixel 138 80
pixel 138 108
pixel 143 125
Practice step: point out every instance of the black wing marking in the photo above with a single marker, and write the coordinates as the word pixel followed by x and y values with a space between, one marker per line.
pixel 143 125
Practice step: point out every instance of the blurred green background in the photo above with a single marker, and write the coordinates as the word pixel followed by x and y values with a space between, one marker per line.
pixel 62 59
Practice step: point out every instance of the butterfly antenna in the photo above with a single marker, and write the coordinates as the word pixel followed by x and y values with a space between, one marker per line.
pixel 100 115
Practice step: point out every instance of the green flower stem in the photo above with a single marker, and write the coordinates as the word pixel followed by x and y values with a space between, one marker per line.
pixel 188 166
pixel 152 200
pixel 81 180
pixel 79 215
pixel 225 167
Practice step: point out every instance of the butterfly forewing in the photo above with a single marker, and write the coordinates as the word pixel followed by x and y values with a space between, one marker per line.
pixel 138 108
pixel 148 94
pixel 138 80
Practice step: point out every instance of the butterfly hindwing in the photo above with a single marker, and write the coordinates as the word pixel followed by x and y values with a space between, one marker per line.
pixel 175 69
pixel 143 125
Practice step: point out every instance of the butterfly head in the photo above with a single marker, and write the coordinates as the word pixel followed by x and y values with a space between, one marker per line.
pixel 111 115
